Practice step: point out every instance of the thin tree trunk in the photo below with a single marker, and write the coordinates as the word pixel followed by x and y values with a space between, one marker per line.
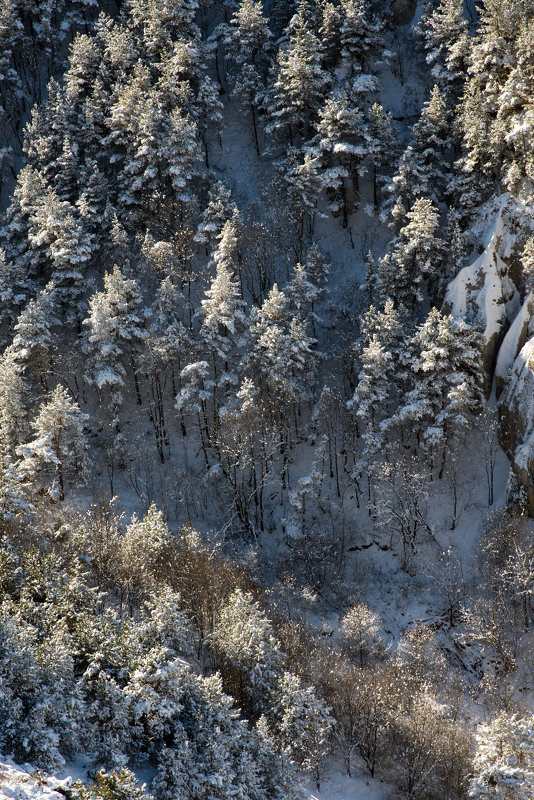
pixel 255 129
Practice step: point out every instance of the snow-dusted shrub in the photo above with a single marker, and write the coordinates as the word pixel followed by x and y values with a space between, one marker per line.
pixel 504 761
pixel 420 751
pixel 117 785
pixel 361 630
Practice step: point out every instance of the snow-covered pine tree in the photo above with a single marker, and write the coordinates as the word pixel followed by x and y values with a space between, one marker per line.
pixel 381 147
pixel 300 84
pixel 514 122
pixel 493 59
pixel 167 346
pixel 11 43
pixel 112 343
pixel 119 784
pixel 237 760
pixel 92 201
pixel 224 321
pixel 301 185
pixel 246 450
pixel 476 168
pixel 109 732
pixel 330 33
pixel 416 257
pixel 36 708
pixel 163 622
pixel 193 398
pixel 114 330
pixel 14 502
pixel 45 134
pixel 19 223
pixel 382 374
pixel 360 40
pixel 157 149
pixel 207 114
pixel 318 269
pixel 162 23
pixel 371 279
pixel 143 549
pixel 282 356
pixel 248 35
pixel 447 393
pixel 15 289
pixel 251 656
pixel 33 342
pixel 455 250
pixel 67 173
pixel 219 210
pixel 12 410
pixel 302 293
pixel 341 144
pixel 68 249
pixel 282 364
pixel 424 169
pixel 114 319
pixel 58 451
pixel 303 725
pixel 274 769
pixel 445 33
pixel 179 774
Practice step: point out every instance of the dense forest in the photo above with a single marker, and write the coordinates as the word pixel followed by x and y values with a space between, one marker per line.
pixel 266 381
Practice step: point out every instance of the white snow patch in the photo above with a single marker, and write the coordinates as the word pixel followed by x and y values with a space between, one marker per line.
pixel 336 785
pixel 27 783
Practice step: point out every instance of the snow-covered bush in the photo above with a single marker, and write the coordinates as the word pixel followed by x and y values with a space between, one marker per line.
pixel 504 761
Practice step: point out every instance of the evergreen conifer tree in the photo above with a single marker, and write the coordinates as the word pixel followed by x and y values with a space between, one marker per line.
pixel 58 450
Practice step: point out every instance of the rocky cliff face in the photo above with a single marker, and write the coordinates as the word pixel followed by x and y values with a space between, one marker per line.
pixel 516 419
pixel 488 293
pixel 485 293
pixel 520 331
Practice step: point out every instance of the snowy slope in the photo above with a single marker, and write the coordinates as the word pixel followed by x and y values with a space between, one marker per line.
pixel 26 783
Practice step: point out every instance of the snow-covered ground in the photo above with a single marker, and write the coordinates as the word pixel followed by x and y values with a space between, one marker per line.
pixel 25 783
pixel 336 785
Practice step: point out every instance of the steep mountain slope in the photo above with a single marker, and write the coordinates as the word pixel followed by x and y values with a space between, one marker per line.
pixel 260 269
